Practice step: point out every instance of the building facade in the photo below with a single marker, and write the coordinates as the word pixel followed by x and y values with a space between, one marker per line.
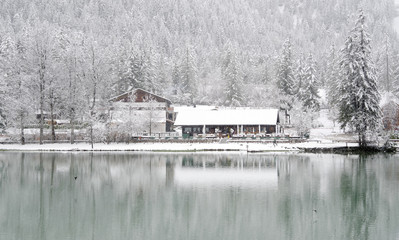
pixel 141 112
pixel 228 121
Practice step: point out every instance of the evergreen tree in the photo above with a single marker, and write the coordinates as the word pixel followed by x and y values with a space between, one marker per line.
pixel 150 82
pixel 232 78
pixel 265 78
pixel 332 83
pixel 188 75
pixel 285 73
pixel 309 93
pixel 176 80
pixel 300 74
pixel 115 26
pixel 139 71
pixel 332 77
pixel 133 75
pixel 385 63
pixel 346 101
pixel 395 75
pixel 359 101
pixel 161 80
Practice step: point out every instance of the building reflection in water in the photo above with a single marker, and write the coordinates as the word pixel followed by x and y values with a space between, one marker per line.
pixel 198 196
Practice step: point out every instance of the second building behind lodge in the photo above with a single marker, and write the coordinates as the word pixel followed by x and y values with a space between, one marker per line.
pixel 140 111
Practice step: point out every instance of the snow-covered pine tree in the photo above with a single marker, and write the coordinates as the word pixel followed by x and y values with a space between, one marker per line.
pixel 309 93
pixel 134 74
pixel 148 70
pixel 285 73
pixel 388 66
pixel 138 70
pixel 346 101
pixel 300 74
pixel 359 101
pixel 265 78
pixel 285 77
pixel 188 75
pixel 332 77
pixel 161 79
pixel 395 75
pixel 232 78
pixel 385 75
pixel 176 81
pixel 332 80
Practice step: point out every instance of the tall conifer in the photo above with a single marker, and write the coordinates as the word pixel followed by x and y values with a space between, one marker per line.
pixel 359 101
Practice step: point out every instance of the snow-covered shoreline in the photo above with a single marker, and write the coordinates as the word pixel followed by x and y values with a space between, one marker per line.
pixel 176 147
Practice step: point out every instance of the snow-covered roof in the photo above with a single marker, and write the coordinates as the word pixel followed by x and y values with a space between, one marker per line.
pixel 178 108
pixel 133 91
pixel 238 116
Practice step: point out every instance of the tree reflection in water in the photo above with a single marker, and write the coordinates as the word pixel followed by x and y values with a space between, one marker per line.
pixel 198 196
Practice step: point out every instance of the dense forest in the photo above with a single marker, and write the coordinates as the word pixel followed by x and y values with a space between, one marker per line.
pixel 70 56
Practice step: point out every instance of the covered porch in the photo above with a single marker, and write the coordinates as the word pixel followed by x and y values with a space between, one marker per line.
pixel 230 130
pixel 229 123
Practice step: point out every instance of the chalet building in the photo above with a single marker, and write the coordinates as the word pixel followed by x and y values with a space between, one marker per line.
pixel 46 115
pixel 228 121
pixel 140 111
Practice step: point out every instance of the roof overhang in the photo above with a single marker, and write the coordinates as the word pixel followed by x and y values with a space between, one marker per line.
pixel 227 117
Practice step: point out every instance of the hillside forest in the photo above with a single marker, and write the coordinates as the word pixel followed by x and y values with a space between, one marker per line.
pixel 70 56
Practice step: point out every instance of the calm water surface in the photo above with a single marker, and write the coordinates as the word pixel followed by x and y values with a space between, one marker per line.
pixel 198 196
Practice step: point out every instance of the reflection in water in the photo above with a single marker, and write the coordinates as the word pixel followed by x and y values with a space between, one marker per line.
pixel 226 171
pixel 197 196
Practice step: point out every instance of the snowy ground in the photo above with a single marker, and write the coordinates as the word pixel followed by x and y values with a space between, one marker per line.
pixel 262 147
pixel 325 136
pixel 327 132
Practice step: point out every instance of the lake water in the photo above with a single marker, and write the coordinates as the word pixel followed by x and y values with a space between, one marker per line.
pixel 198 196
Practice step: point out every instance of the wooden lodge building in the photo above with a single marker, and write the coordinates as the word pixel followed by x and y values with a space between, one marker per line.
pixel 141 111
pixel 228 121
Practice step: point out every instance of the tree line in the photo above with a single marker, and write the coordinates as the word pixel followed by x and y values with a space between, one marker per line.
pixel 69 57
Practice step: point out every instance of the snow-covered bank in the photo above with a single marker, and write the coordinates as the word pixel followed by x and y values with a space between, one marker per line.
pixel 178 147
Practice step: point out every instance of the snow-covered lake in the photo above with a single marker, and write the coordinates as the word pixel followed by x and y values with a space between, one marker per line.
pixel 210 196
